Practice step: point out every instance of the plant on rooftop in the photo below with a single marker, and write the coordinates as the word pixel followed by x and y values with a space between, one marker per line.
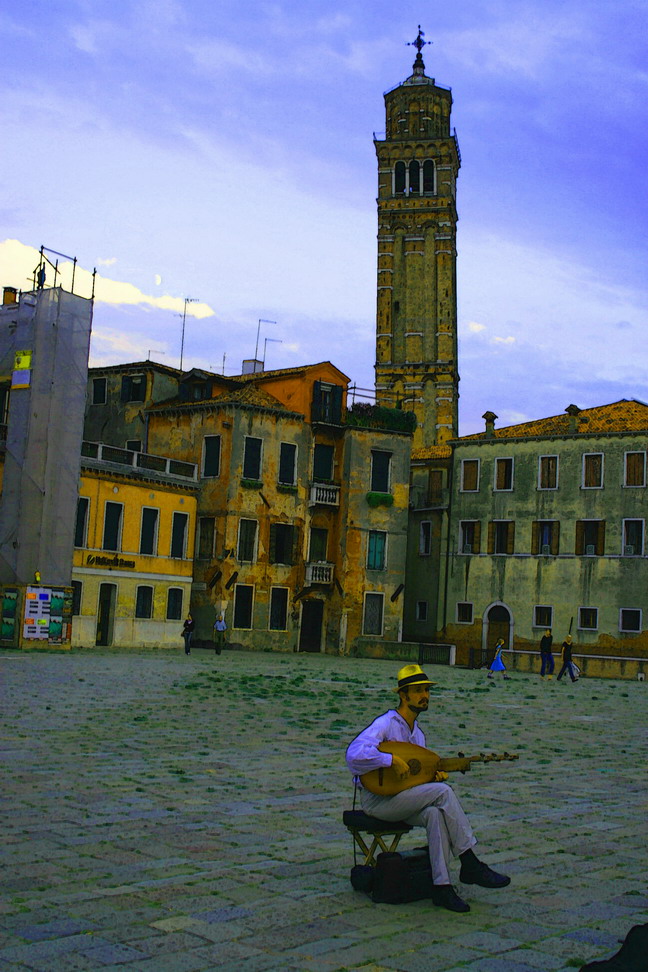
pixel 365 415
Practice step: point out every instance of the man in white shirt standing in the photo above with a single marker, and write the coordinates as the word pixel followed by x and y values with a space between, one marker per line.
pixel 430 805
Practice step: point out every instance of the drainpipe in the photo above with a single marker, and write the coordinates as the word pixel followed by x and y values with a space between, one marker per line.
pixel 448 539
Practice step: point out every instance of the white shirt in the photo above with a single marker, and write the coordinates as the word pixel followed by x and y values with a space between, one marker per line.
pixel 363 754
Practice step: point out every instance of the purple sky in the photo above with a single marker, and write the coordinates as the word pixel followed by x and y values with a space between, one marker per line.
pixel 223 151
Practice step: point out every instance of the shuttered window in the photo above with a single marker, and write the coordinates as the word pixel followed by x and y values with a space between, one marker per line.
pixel 282 543
pixel 470 475
pixel 278 608
pixel 179 534
pixel 590 538
pixel 503 474
pixel 83 505
pixel 548 472
pixel 635 468
pixel 376 550
pixel 545 537
pixel 501 537
pixel 287 463
pixel 148 530
pixel 252 458
pixel 593 470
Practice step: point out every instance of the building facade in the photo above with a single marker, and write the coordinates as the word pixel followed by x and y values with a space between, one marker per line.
pixel 416 322
pixel 546 528
pixel 134 548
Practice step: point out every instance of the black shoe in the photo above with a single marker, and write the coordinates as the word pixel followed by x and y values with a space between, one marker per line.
pixel 476 872
pixel 445 896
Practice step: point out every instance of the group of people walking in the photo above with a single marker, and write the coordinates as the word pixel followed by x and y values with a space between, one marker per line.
pixel 547 665
pixel 189 626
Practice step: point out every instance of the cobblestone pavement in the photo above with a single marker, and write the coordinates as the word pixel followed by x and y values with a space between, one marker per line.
pixel 171 812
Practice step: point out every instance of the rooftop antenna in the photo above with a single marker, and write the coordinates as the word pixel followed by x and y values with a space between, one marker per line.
pixel 187 300
pixel 155 351
pixel 265 345
pixel 261 321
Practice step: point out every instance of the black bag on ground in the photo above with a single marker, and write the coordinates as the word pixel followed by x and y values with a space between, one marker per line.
pixel 402 877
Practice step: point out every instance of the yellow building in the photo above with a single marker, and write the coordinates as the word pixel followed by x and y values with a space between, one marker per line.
pixel 134 547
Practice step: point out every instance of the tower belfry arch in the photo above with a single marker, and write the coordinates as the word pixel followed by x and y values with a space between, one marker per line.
pixel 416 320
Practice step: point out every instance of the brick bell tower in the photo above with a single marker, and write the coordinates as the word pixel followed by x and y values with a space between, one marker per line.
pixel 416 323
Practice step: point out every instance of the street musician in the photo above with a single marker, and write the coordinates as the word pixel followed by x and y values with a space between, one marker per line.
pixel 432 805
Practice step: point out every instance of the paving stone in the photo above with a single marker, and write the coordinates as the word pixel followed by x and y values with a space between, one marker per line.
pixel 138 843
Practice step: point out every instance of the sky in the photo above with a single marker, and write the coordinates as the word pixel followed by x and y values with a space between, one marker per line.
pixel 222 150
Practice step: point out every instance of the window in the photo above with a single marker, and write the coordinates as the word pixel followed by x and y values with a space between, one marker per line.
pixel 545 537
pixel 252 458
pixel 243 600
pixel 134 445
pixel 144 602
pixel 318 547
pixel 112 526
pixel 425 538
pixel 588 619
pixel 464 612
pixel 501 536
pixel 421 610
pixel 211 456
pixel 428 176
pixel 83 505
pixel 503 474
pixel 373 614
pixel 593 470
pixel 174 604
pixel 282 543
pixel 149 530
pixel 77 590
pixel 4 404
pixel 287 463
pixel 99 391
pixel 435 485
pixel 323 462
pixel 542 616
pixel 380 465
pixel 469 536
pixel 278 608
pixel 327 402
pixel 247 540
pixel 376 550
pixel 133 388
pixel 548 472
pixel 399 177
pixel 179 534
pixel 470 475
pixel 206 531
pixel 414 176
pixel 630 619
pixel 590 538
pixel 635 469
pixel 633 531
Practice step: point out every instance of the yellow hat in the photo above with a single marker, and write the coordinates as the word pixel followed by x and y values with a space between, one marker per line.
pixel 412 675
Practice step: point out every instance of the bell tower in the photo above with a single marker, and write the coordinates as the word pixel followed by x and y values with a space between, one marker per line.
pixel 416 322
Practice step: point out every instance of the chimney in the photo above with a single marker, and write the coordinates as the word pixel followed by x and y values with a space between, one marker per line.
pixel 573 411
pixel 490 423
pixel 9 295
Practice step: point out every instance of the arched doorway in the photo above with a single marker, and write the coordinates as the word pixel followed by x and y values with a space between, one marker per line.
pixel 497 624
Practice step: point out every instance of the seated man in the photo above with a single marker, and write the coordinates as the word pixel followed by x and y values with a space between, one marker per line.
pixel 430 805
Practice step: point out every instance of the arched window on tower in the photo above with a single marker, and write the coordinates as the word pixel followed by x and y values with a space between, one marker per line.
pixel 399 178
pixel 414 177
pixel 428 176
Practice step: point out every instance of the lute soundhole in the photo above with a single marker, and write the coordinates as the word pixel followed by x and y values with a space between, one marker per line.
pixel 415 766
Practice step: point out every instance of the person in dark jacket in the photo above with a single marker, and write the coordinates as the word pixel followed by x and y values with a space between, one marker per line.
pixel 567 665
pixel 187 633
pixel 546 655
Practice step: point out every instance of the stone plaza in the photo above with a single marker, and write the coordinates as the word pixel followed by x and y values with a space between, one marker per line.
pixel 174 813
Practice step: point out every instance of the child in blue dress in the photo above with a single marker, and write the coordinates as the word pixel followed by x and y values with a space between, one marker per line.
pixel 497 665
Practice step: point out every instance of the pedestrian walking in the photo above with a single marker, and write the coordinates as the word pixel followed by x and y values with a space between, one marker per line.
pixel 497 664
pixel 546 655
pixel 567 664
pixel 187 633
pixel 219 634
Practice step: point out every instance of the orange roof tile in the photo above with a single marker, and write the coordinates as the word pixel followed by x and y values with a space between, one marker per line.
pixel 432 452
pixel 626 415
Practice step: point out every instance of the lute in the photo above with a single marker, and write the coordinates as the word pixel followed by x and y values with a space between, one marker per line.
pixel 423 764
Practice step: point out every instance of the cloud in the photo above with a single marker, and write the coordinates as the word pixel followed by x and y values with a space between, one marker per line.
pixel 108 262
pixel 503 340
pixel 474 327
pixel 20 260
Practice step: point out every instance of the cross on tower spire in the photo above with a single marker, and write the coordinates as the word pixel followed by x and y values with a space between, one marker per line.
pixel 419 44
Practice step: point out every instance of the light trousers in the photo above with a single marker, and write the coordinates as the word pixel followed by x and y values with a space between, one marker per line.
pixel 435 807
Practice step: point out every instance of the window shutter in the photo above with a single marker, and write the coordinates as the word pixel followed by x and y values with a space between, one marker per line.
pixel 295 545
pixel 555 538
pixel 336 403
pixel 580 537
pixel 535 546
pixel 126 388
pixel 600 540
pixel 510 538
pixel 500 473
pixel 317 401
pixel 477 538
pixel 435 485
pixel 491 537
pixel 273 543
